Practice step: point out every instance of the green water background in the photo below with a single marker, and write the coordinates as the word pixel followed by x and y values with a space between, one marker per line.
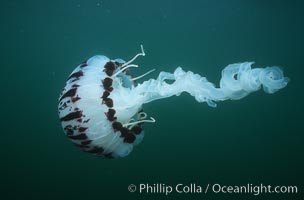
pixel 256 140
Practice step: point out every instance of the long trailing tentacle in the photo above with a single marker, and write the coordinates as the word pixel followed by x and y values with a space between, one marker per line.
pixel 238 80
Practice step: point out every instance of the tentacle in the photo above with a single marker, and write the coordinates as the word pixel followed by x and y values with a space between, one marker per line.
pixel 123 69
pixel 151 120
pixel 134 58
pixel 136 78
pixel 238 80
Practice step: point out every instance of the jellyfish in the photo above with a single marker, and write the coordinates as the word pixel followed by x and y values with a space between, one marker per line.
pixel 101 106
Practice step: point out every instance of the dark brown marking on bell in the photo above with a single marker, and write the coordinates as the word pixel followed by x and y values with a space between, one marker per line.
pixel 117 126
pixel 109 72
pixel 110 66
pixel 76 109
pixel 118 64
pixel 136 130
pixel 79 120
pixel 68 130
pixel 86 121
pixel 124 132
pixel 95 150
pixel 75 85
pixel 86 142
pixel 110 114
pixel 108 102
pixel 105 94
pixel 82 129
pixel 81 136
pixel 63 106
pixel 109 89
pixel 108 155
pixel 129 138
pixel 71 116
pixel 111 118
pixel 107 82
pixel 68 126
pixel 83 64
pixel 69 93
pixel 76 75
pixel 74 99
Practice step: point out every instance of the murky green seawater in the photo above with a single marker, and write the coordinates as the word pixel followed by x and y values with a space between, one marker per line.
pixel 256 140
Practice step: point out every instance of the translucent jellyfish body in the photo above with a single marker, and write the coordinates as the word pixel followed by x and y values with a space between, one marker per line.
pixel 100 106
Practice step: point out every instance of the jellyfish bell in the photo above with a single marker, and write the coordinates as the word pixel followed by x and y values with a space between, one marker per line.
pixel 100 106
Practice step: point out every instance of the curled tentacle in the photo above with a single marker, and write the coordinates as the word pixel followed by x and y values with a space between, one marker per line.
pixel 238 80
